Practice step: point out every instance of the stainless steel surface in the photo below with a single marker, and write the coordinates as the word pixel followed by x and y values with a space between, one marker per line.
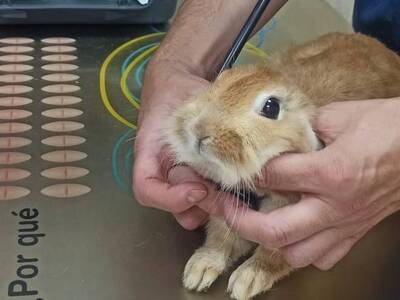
pixel 103 245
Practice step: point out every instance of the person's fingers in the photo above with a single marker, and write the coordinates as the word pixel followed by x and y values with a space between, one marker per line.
pixel 283 226
pixel 331 121
pixel 159 194
pixel 312 249
pixel 213 203
pixel 330 259
pixel 293 172
pixel 192 219
pixel 334 119
pixel 152 189
pixel 354 233
pixel 181 174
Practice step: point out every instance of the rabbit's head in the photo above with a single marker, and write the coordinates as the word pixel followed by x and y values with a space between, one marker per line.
pixel 247 116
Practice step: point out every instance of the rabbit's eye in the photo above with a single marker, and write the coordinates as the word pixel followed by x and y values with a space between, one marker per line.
pixel 271 108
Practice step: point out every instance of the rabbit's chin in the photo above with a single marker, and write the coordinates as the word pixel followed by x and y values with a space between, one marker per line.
pixel 224 174
pixel 228 175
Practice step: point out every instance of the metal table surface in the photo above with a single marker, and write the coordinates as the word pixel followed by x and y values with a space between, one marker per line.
pixel 103 245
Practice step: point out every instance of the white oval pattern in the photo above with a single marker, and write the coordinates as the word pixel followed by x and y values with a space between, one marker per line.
pixel 58 40
pixel 60 88
pixel 59 57
pixel 15 68
pixel 10 158
pixel 61 100
pixel 60 77
pixel 13 192
pixel 59 49
pixel 64 141
pixel 65 190
pixel 64 156
pixel 16 40
pixel 59 67
pixel 14 101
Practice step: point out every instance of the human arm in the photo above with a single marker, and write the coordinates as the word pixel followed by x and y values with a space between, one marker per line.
pixel 189 55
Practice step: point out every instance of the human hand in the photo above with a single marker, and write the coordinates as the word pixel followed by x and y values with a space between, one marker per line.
pixel 155 182
pixel 346 188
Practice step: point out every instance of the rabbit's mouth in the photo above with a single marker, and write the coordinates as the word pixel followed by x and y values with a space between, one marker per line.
pixel 248 197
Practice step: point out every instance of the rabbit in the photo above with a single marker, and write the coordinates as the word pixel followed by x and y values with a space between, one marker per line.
pixel 251 114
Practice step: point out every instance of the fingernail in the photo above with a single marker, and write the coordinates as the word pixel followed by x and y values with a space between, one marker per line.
pixel 196 196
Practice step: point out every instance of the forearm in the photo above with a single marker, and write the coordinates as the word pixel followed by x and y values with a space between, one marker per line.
pixel 203 31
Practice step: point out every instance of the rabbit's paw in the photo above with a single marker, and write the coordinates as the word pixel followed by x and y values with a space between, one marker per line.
pixel 250 279
pixel 203 268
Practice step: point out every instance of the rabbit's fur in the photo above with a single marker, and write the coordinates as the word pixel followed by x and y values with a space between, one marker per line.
pixel 223 135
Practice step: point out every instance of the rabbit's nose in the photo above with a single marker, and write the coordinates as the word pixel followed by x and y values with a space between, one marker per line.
pixel 202 142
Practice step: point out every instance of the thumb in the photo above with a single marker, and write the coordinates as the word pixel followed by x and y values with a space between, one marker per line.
pixel 181 175
pixel 334 119
pixel 211 201
pixel 293 172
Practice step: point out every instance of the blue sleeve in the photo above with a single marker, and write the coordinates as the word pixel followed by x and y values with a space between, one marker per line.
pixel 380 19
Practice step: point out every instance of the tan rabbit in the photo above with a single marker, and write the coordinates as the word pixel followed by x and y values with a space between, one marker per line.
pixel 253 113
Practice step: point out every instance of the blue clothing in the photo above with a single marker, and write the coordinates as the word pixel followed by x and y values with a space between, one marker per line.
pixel 380 19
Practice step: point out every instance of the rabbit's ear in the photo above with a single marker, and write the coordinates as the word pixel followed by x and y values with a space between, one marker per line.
pixel 236 72
pixel 223 75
